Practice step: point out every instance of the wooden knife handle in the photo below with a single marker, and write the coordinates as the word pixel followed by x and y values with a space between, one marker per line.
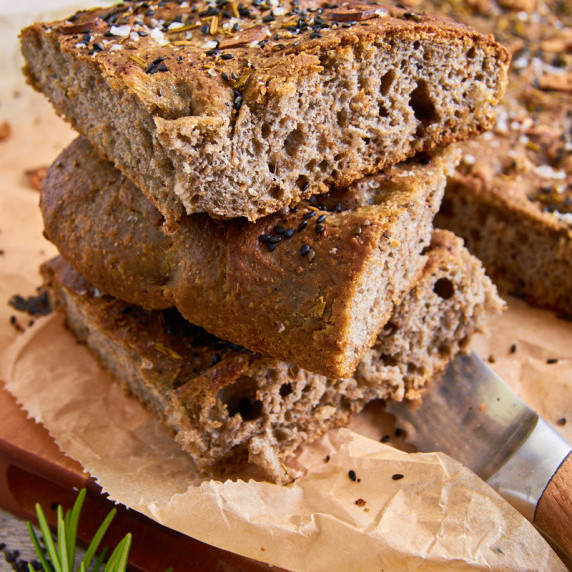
pixel 553 513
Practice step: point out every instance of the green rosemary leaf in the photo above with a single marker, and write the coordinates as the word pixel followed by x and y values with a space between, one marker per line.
pixel 62 544
pixel 113 565
pixel 94 545
pixel 99 561
pixel 38 549
pixel 73 524
pixel 124 556
pixel 48 540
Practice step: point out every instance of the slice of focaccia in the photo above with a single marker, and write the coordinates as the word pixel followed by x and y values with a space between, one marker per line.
pixel 313 284
pixel 227 405
pixel 240 109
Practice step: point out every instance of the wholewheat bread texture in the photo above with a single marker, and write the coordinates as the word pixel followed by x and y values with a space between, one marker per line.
pixel 511 196
pixel 242 110
pixel 226 405
pixel 312 285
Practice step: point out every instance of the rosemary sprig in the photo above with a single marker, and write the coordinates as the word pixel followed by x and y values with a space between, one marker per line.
pixel 61 553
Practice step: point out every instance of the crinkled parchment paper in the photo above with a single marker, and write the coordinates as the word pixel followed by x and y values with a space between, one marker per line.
pixel 438 516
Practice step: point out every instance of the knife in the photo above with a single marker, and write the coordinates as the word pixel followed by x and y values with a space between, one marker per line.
pixel 471 414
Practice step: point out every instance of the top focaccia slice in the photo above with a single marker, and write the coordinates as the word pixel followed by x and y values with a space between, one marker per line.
pixel 242 109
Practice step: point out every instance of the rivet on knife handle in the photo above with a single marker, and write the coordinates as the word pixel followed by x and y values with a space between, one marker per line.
pixel 554 510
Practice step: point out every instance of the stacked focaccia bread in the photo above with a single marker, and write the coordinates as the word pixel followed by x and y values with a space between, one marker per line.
pixel 511 196
pixel 330 125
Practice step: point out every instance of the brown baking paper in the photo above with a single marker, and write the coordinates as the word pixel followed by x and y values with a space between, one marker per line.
pixel 438 516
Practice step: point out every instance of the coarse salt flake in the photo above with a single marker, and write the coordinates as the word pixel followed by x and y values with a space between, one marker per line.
pixel 122 31
pixel 158 36
pixel 564 217
pixel 210 45
pixel 547 172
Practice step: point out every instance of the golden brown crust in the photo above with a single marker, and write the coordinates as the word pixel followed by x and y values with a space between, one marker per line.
pixel 225 403
pixel 511 196
pixel 306 285
pixel 197 131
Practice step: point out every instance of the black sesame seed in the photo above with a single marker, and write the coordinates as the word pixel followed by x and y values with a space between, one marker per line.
pixel 321 218
pixel 205 28
pixel 302 226
pixel 551 360
pixel 337 208
pixel 320 228
pixel 162 68
pixel 271 246
pixel 424 160
pixel 304 186
pixel 212 52
pixel 269 18
pixel 224 76
pixel 315 35
pixel 309 215
pixel 279 229
pixel 397 476
pixel 211 11
pixel 227 56
pixel 264 238
pixel 513 348
pixel 289 233
pixel 352 475
pixel 561 421
pixel 97 46
pixel 142 33
pixel 274 239
pixel 304 249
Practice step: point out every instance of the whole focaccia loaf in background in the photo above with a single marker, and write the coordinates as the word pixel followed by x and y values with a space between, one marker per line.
pixel 511 195
pixel 240 110
pixel 227 405
pixel 313 284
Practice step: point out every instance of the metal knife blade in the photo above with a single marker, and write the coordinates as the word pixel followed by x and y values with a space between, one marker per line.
pixel 471 414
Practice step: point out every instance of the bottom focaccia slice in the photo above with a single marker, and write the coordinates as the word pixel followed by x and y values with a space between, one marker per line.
pixel 228 406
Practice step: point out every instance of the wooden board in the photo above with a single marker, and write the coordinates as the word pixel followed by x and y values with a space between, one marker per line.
pixel 33 469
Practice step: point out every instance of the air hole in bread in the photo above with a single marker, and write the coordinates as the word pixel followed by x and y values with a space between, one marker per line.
pixel 293 142
pixel 285 389
pixel 240 398
pixel 422 104
pixel 388 360
pixel 342 118
pixel 266 130
pixel 390 328
pixel 471 53
pixel 386 81
pixel 383 112
pixel 444 288
pixel 272 168
pixel 302 182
